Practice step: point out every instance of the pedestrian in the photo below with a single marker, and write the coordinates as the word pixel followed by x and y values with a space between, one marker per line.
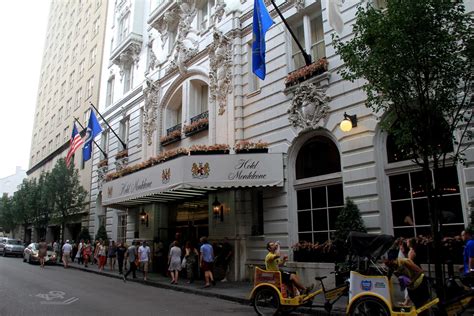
pixel 67 249
pixel 79 251
pixel 131 255
pixel 225 257
pixel 112 254
pixel 74 250
pixel 86 252
pixel 121 249
pixel 174 262
pixel 144 258
pixel 102 256
pixel 411 277
pixel 206 261
pixel 42 251
pixel 191 255
pixel 468 268
pixel 56 249
pixel 96 252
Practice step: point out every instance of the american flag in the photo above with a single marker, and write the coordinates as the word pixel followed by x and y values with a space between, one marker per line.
pixel 76 142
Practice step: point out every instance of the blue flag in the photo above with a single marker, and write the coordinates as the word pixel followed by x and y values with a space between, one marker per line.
pixel 261 23
pixel 93 129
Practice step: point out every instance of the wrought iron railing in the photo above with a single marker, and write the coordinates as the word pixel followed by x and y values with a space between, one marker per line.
pixel 200 116
pixel 173 128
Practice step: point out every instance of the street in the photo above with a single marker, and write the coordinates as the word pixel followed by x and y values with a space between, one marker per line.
pixel 29 290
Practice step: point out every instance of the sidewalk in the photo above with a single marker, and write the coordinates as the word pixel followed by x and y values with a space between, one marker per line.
pixel 231 291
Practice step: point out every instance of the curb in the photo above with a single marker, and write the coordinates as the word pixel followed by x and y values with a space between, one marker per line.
pixel 314 310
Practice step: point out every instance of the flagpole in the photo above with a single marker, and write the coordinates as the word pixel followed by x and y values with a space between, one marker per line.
pixel 105 154
pixel 307 57
pixel 107 123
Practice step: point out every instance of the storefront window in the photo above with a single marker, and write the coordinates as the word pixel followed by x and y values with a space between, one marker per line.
pixel 122 228
pixel 317 157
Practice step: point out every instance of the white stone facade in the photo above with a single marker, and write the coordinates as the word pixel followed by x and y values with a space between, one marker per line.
pixel 203 63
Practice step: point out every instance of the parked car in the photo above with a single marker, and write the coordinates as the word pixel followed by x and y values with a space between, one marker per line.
pixel 30 254
pixel 10 246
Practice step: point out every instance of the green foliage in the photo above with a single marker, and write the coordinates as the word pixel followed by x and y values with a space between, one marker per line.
pixel 101 233
pixel 84 234
pixel 7 220
pixel 416 58
pixel 348 220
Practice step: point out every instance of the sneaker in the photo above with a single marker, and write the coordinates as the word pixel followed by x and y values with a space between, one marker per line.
pixel 224 280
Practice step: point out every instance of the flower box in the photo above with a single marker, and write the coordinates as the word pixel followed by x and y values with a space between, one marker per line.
pixel 252 151
pixel 209 152
pixel 198 124
pixel 248 147
pixel 103 163
pixel 121 154
pixel 306 72
pixel 172 137
pixel 209 149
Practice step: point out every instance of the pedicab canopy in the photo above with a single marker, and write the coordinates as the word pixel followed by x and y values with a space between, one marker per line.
pixel 369 245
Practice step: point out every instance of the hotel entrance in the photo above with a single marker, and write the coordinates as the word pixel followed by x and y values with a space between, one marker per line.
pixel 190 219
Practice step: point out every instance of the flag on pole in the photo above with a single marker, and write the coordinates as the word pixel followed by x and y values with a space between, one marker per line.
pixel 261 23
pixel 93 129
pixel 335 16
pixel 75 143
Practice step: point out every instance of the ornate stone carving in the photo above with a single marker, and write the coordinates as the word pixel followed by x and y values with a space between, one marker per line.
pixel 299 4
pixel 150 112
pixel 152 60
pixel 166 23
pixel 101 172
pixel 186 45
pixel 308 107
pixel 219 11
pixel 220 72
pixel 121 163
pixel 130 54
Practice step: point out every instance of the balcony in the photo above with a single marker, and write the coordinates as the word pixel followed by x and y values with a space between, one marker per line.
pixel 173 134
pixel 198 123
pixel 157 17
pixel 128 50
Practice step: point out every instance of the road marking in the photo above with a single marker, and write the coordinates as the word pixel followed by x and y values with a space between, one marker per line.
pixel 52 295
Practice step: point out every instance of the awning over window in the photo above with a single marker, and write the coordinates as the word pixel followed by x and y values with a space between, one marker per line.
pixel 192 176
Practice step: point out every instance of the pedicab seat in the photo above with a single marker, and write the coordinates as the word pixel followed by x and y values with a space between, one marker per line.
pixel 271 277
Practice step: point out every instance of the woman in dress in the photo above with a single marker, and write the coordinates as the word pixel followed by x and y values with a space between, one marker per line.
pixel 191 255
pixel 86 252
pixel 112 255
pixel 174 262
pixel 42 251
pixel 102 256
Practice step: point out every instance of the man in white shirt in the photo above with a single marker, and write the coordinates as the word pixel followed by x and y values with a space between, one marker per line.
pixel 67 248
pixel 144 258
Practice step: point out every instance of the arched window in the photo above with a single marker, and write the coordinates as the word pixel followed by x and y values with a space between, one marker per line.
pixel 409 201
pixel 319 189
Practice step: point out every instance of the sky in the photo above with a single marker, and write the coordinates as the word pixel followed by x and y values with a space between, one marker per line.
pixel 22 34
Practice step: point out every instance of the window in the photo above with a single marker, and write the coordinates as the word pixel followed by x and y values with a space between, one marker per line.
pixel 63 89
pixel 68 106
pixel 110 91
pixel 122 228
pixel 92 56
pixel 123 28
pixel 86 117
pixel 81 68
pixel 204 12
pixel 96 26
pixel 309 32
pixel 66 134
pixel 84 41
pixel 75 52
pixel 380 4
pixel 72 78
pixel 127 78
pixel 123 132
pixel 199 96
pixel 78 97
pixel 253 83
pixel 104 143
pixel 101 219
pixel 60 115
pixel 318 201
pixel 58 141
pixel 90 86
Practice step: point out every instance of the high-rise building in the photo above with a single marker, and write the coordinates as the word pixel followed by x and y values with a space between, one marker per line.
pixel 69 80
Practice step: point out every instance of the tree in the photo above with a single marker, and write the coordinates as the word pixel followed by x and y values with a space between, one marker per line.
pixel 22 204
pixel 68 195
pixel 7 219
pixel 101 233
pixel 417 61
pixel 348 220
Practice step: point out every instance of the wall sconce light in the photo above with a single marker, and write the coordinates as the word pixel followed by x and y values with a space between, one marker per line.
pixel 348 122
pixel 218 210
pixel 144 218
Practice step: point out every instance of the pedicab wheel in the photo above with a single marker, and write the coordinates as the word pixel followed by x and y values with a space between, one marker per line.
pixel 369 306
pixel 266 302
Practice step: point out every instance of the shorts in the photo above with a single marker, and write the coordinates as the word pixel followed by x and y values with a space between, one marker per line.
pixel 285 277
pixel 420 295
pixel 207 266
pixel 144 266
pixel 66 257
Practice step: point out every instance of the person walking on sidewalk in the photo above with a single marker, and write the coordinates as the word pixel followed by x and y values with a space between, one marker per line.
pixel 102 256
pixel 56 250
pixel 112 254
pixel 121 250
pixel 79 252
pixel 67 248
pixel 144 257
pixel 131 255
pixel 206 261
pixel 42 251
pixel 191 255
pixel 86 252
pixel 174 262
pixel 225 257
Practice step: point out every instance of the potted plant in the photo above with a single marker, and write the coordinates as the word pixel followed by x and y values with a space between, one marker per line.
pixel 245 146
pixel 209 149
pixel 121 154
pixel 103 163
pixel 304 251
pixel 196 126
pixel 306 72
pixel 171 137
pixel 169 154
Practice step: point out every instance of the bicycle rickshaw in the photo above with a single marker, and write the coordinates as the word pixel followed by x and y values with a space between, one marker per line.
pixel 370 290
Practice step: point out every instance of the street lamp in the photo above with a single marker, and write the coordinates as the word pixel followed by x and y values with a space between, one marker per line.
pixel 348 122
pixel 144 218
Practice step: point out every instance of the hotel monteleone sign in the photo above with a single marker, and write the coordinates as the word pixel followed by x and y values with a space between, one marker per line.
pixel 201 171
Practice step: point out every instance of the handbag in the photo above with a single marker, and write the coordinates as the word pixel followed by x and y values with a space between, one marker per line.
pixel 183 263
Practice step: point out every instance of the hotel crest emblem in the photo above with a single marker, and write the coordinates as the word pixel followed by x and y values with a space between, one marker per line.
pixel 166 175
pixel 200 170
pixel 308 107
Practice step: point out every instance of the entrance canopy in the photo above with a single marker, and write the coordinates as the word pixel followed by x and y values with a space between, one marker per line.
pixel 192 176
